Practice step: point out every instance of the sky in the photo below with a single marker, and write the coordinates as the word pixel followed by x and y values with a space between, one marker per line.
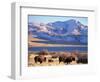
pixel 48 19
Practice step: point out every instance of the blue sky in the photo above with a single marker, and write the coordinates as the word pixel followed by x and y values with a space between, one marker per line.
pixel 48 19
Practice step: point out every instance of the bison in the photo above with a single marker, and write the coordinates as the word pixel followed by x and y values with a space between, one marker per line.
pixel 39 59
pixel 83 60
pixel 68 57
pixel 66 60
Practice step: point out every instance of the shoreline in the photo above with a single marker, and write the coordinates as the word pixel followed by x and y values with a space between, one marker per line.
pixel 34 44
pixel 57 51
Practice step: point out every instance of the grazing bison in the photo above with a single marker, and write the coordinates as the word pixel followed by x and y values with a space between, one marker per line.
pixel 68 60
pixel 64 57
pixel 82 60
pixel 39 59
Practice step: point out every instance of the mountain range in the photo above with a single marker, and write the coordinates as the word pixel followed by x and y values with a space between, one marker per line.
pixel 64 31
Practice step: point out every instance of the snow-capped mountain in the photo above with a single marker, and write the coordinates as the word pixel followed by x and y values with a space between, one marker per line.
pixel 69 31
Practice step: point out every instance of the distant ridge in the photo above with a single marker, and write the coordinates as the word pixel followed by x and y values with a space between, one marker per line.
pixel 69 31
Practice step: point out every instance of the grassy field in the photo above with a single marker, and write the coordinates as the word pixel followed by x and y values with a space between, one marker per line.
pixel 31 61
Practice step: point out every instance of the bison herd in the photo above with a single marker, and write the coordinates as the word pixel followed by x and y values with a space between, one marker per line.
pixel 65 57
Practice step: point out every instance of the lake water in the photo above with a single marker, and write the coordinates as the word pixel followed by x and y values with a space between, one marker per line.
pixel 80 49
